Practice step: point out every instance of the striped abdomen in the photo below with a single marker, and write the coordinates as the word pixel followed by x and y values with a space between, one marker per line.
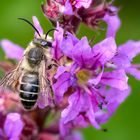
pixel 29 89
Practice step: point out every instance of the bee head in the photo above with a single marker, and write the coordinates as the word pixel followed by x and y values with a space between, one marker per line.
pixel 42 42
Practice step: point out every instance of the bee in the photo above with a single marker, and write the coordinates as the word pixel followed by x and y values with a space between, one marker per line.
pixel 29 78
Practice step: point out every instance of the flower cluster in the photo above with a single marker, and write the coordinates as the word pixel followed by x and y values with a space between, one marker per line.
pixel 90 82
pixel 70 13
pixel 16 123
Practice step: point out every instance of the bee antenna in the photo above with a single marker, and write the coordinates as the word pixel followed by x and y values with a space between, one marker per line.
pixel 30 24
pixel 49 32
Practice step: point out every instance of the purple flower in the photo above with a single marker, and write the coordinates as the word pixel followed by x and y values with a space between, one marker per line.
pixel 68 6
pixel 113 22
pixel 74 136
pixel 125 54
pixel 87 75
pixel 66 131
pixel 116 79
pixel 12 50
pixel 37 26
pixel 82 3
pixel 114 97
pixel 13 126
pixel 52 9
pixel 70 13
pixel 58 37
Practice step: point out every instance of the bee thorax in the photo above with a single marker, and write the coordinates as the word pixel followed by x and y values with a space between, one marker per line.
pixel 35 56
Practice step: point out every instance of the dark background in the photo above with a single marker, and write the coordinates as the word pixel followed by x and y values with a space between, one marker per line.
pixel 125 124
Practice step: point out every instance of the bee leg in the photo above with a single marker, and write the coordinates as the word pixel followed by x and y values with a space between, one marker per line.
pixel 51 66
pixel 48 83
pixel 55 62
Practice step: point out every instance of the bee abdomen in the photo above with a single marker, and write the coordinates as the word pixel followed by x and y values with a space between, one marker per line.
pixel 29 89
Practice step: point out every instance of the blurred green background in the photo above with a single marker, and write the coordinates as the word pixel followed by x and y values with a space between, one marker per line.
pixel 125 124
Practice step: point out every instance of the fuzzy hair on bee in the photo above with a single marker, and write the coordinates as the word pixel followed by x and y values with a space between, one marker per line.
pixel 29 78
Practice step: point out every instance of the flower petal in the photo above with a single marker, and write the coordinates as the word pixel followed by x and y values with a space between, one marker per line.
pixel 96 80
pixel 78 50
pixel 114 97
pixel 80 122
pixel 134 72
pixel 61 86
pixel 113 24
pixel 76 102
pixel 44 99
pixel 58 37
pixel 116 79
pixel 75 136
pixel 82 53
pixel 13 125
pixel 130 49
pixel 105 50
pixel 68 44
pixel 12 50
pixel 37 26
pixel 68 8
pixel 103 116
pixel 1 133
pixel 83 3
pixel 60 70
pixel 64 128
pixel 121 61
pixel 66 131
pixel 119 96
pixel 91 116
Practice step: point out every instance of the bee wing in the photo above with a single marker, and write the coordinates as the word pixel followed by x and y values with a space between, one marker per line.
pixel 11 79
pixel 46 95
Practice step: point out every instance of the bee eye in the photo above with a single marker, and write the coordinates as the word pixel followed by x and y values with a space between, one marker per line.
pixel 42 42
pixel 46 44
pixel 49 44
